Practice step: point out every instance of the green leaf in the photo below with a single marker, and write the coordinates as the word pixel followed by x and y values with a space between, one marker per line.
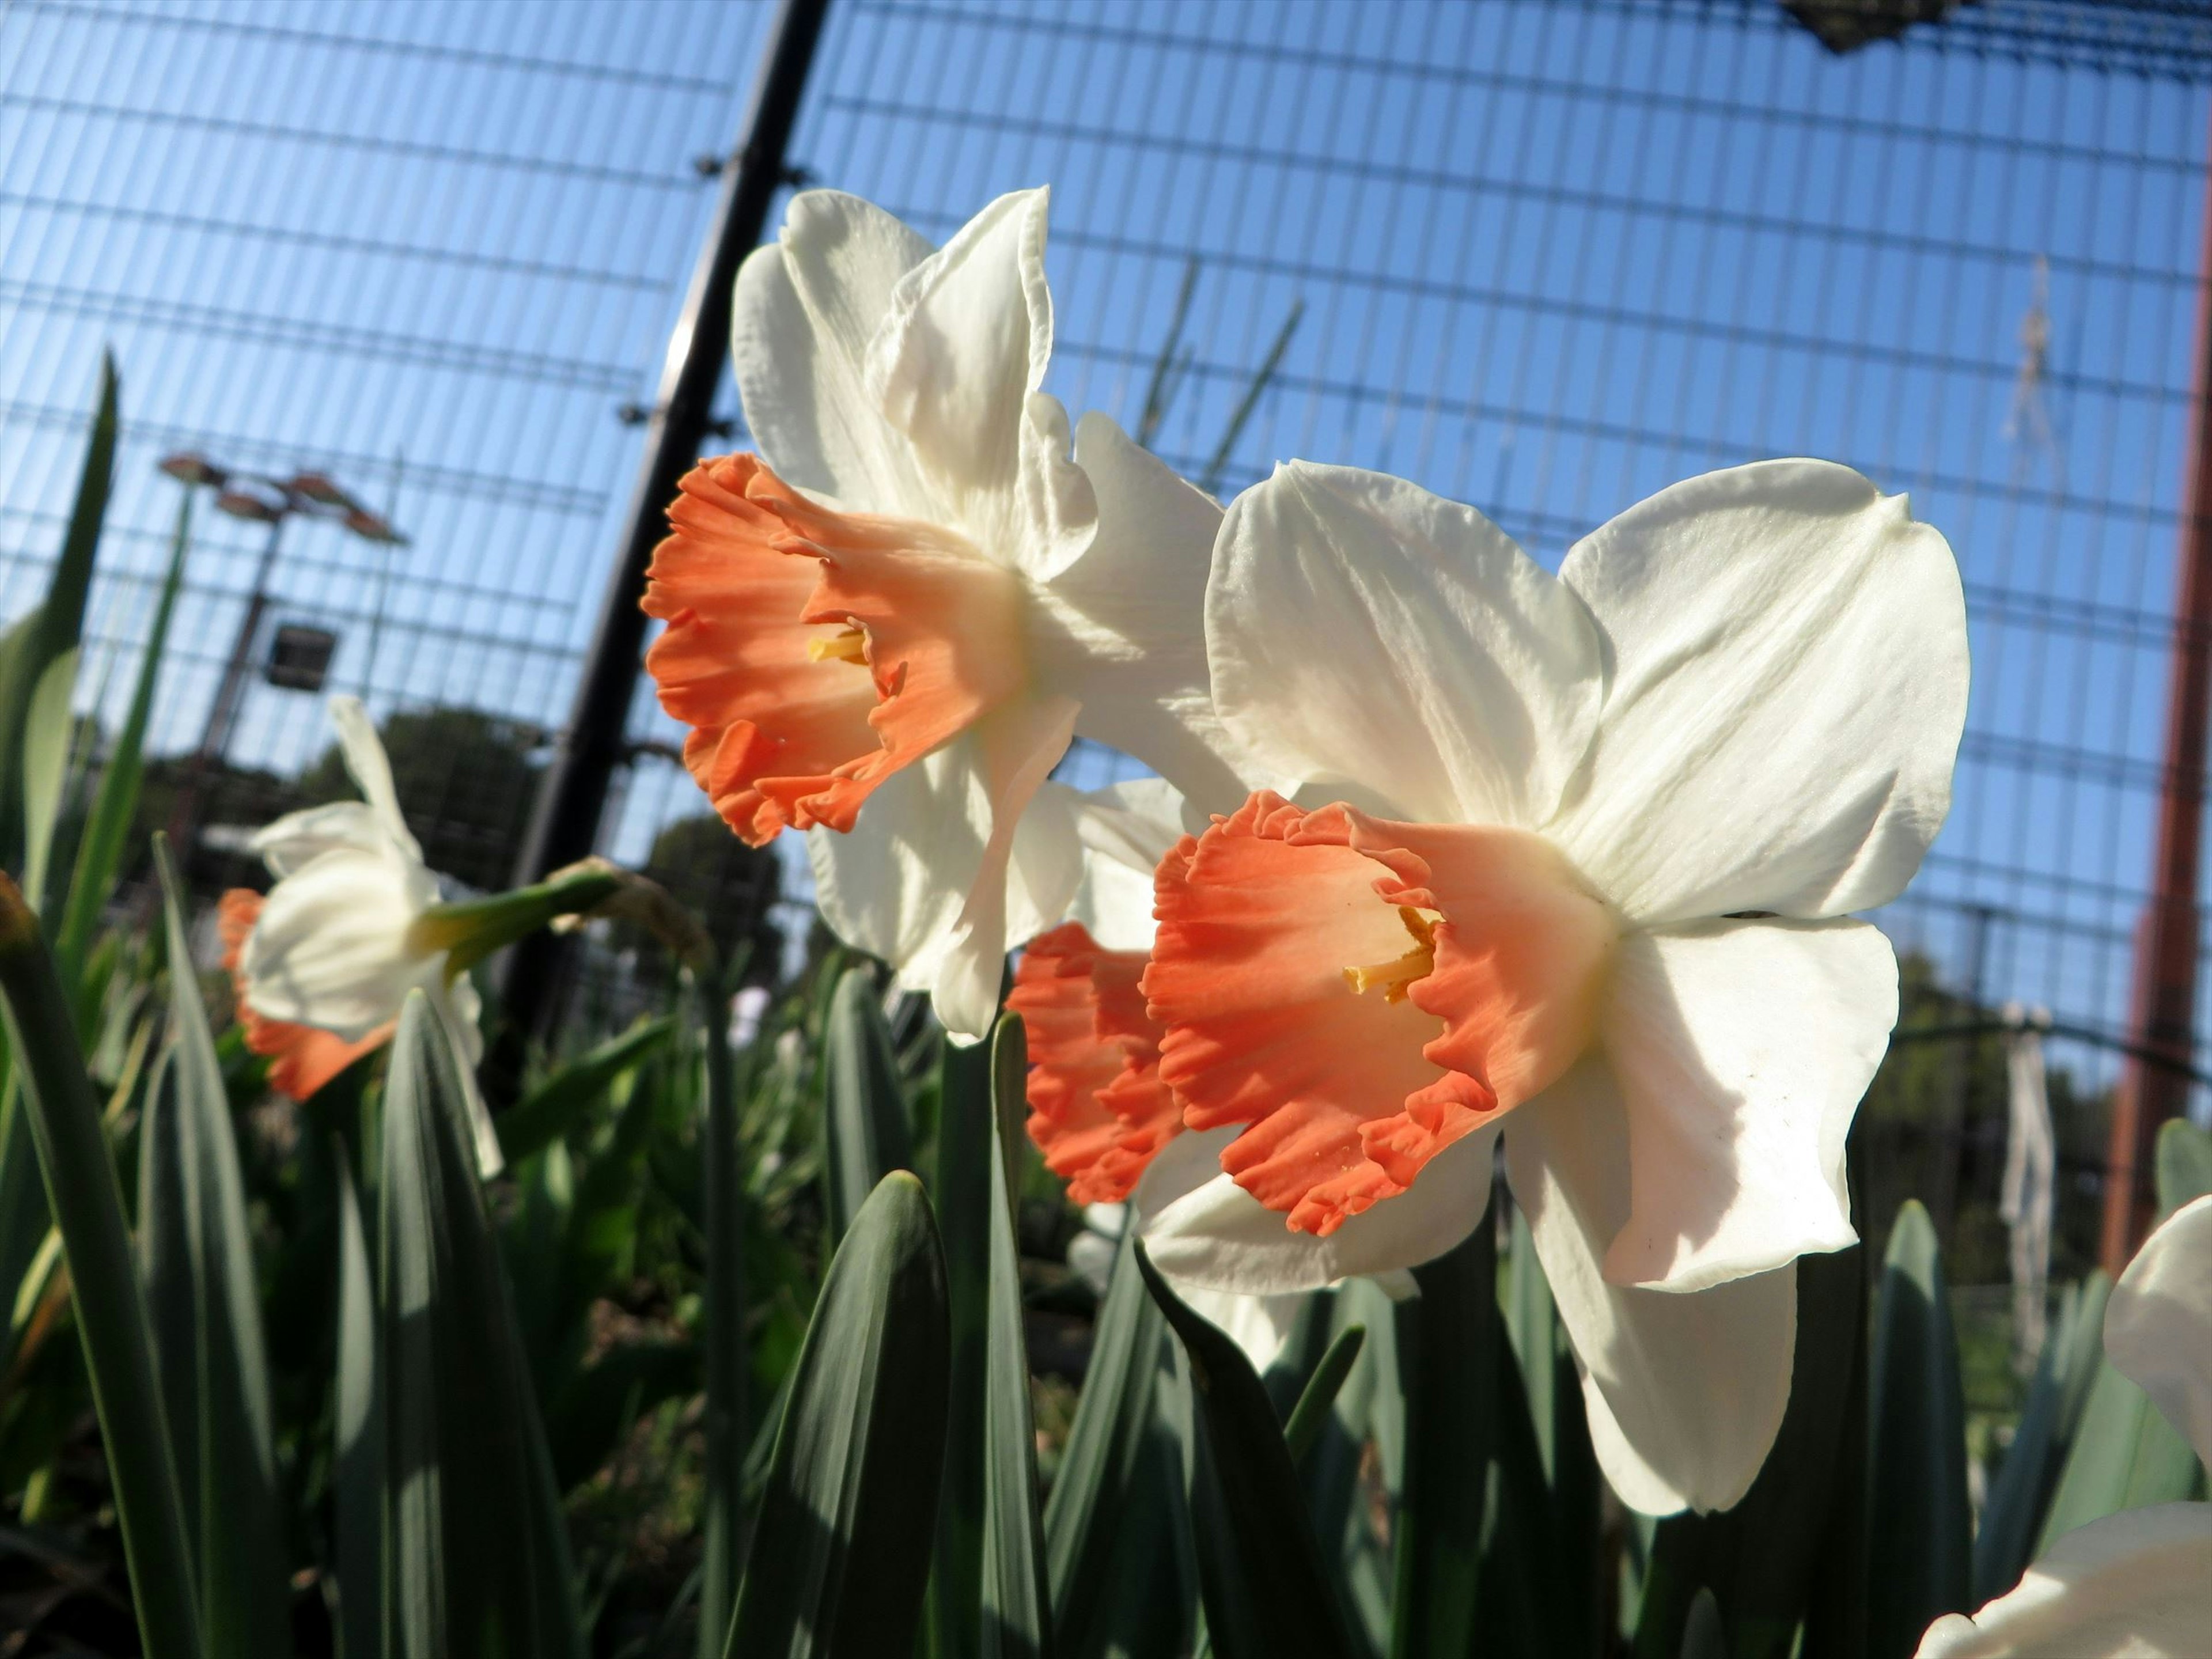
pixel 1919 1523
pixel 1112 1582
pixel 24 1223
pixel 476 1554
pixel 357 1481
pixel 863 1121
pixel 1317 1400
pixel 2125 1455
pixel 43 637
pixel 1550 1394
pixel 1017 1601
pixel 195 1254
pixel 48 732
pixel 86 1204
pixel 556 1105
pixel 842 1551
pixel 1261 1572
pixel 106 833
pixel 1357 1464
pixel 1764 1560
pixel 2185 1164
pixel 967 1170
pixel 1450 1332
pixel 722 1189
pixel 2020 1494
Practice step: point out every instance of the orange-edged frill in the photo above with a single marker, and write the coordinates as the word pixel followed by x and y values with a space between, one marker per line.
pixel 1098 1108
pixel 1486 953
pixel 302 1058
pixel 812 652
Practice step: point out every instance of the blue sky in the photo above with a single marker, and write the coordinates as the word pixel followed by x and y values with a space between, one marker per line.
pixel 1550 258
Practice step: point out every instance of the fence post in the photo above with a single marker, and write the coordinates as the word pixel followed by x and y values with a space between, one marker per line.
pixel 564 822
pixel 2163 1020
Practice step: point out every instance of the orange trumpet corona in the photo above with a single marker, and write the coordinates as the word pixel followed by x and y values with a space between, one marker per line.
pixel 1292 1004
pixel 813 652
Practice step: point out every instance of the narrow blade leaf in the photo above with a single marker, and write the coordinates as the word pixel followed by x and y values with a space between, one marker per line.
pixel 841 1553
pixel 99 852
pixel 86 1204
pixel 558 1103
pixel 2022 1493
pixel 1450 1400
pixel 863 1122
pixel 198 1257
pixel 1017 1601
pixel 1110 1578
pixel 1261 1572
pixel 358 1498
pixel 477 1548
pixel 42 637
pixel 722 1198
pixel 967 1169
pixel 1918 1520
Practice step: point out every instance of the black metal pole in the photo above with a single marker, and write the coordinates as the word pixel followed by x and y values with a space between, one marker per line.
pixel 222 714
pixel 565 821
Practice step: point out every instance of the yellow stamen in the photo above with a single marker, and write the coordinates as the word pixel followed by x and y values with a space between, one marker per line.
pixel 849 645
pixel 1416 964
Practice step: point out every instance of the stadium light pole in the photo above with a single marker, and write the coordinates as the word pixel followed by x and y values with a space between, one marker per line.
pixel 564 824
pixel 257 499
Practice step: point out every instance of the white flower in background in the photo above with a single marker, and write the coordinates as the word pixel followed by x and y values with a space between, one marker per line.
pixel 2135 1585
pixel 884 627
pixel 1576 865
pixel 323 961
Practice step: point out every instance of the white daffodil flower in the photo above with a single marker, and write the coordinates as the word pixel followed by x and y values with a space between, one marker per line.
pixel 2138 1584
pixel 322 963
pixel 885 626
pixel 1577 865
pixel 1097 1110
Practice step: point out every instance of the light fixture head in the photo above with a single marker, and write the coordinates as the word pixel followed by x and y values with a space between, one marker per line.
pixel 245 504
pixel 319 488
pixel 373 527
pixel 189 466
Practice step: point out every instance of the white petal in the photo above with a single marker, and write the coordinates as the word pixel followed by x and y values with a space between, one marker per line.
pixel 955 366
pixel 1046 864
pixel 805 310
pixel 2135 1585
pixel 330 946
pixel 1787 683
pixel 1260 1325
pixel 299 838
pixel 372 771
pixel 1114 903
pixel 1123 628
pixel 1222 1237
pixel 1179 1168
pixel 1685 1392
pixel 1125 830
pixel 921 879
pixel 2158 1325
pixel 1397 650
pixel 1741 1050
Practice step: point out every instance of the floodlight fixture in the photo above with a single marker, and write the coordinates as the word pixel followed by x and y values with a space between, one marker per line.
pixel 189 466
pixel 373 527
pixel 320 488
pixel 247 504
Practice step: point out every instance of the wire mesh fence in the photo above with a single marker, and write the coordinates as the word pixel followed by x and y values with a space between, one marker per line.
pixel 1545 258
